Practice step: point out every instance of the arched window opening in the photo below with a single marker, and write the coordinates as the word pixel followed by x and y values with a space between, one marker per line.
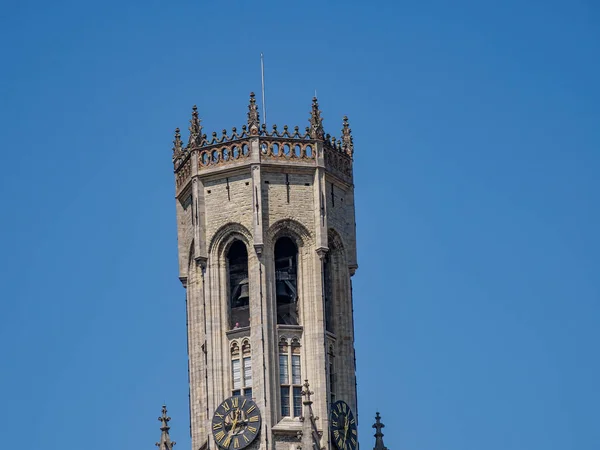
pixel 328 293
pixel 286 285
pixel 241 369
pixel 239 292
pixel 290 378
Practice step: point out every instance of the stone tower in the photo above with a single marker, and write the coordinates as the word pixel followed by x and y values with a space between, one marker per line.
pixel 267 249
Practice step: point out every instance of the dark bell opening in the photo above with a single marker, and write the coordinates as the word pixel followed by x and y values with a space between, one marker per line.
pixel 239 297
pixel 286 257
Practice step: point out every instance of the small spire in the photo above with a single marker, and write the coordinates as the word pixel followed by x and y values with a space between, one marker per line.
pixel 310 435
pixel 165 442
pixel 177 145
pixel 378 434
pixel 316 121
pixel 306 392
pixel 195 129
pixel 347 142
pixel 253 120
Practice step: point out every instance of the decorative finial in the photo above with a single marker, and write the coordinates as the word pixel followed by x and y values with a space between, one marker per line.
pixel 347 142
pixel 253 121
pixel 378 434
pixel 177 145
pixel 165 442
pixel 311 437
pixel 195 129
pixel 306 392
pixel 316 122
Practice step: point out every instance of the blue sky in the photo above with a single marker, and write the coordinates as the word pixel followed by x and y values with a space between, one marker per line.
pixel 477 300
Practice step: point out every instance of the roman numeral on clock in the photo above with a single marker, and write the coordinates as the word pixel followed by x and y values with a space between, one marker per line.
pixel 219 436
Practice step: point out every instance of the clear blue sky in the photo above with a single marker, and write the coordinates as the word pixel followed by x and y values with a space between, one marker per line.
pixel 477 132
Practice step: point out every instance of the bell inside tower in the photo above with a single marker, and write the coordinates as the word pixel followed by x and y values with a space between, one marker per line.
pixel 286 270
pixel 239 298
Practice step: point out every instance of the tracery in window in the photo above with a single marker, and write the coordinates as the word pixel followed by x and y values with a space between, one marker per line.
pixel 241 369
pixel 239 292
pixel 290 378
pixel 286 284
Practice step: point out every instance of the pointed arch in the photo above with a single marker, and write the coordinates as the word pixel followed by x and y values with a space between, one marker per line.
pixel 230 249
pixel 292 229
pixel 335 275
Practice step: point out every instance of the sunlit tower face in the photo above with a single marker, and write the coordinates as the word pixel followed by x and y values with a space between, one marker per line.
pixel 267 249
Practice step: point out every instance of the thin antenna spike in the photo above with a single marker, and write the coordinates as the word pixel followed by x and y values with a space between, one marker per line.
pixel 262 75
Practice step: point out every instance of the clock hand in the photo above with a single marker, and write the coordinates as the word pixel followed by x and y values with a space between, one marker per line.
pixel 235 421
pixel 345 431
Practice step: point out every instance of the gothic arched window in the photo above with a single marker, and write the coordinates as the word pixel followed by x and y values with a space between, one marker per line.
pixel 286 283
pixel 239 293
pixel 290 378
pixel 241 369
pixel 328 293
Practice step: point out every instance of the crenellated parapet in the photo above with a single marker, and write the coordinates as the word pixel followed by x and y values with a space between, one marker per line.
pixel 254 143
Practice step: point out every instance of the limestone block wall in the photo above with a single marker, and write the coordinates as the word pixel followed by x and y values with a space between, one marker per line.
pixel 222 207
pixel 288 196
pixel 341 215
pixel 184 231
pixel 228 200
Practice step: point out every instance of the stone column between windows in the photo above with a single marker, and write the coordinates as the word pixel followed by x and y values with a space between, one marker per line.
pixel 196 339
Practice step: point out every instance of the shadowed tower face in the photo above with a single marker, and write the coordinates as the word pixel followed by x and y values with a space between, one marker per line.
pixel 267 249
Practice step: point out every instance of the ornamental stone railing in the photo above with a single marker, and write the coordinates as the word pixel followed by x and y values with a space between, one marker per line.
pixel 273 147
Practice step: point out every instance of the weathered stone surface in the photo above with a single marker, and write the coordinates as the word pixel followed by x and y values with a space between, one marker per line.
pixel 257 199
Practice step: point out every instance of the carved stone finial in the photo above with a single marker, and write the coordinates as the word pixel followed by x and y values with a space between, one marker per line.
pixel 177 145
pixel 253 120
pixel 347 142
pixel 378 434
pixel 165 442
pixel 316 121
pixel 310 438
pixel 195 129
pixel 306 392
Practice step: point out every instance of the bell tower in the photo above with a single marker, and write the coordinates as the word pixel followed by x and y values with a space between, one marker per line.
pixel 267 249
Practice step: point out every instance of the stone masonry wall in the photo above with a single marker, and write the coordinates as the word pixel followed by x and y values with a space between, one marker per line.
pixel 275 198
pixel 225 206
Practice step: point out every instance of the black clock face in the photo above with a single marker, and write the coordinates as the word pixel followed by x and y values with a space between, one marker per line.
pixel 343 426
pixel 236 423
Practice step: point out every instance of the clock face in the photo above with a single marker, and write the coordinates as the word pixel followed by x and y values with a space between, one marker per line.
pixel 343 426
pixel 236 423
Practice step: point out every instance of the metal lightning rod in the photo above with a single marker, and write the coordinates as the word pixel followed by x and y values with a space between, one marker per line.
pixel 262 73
